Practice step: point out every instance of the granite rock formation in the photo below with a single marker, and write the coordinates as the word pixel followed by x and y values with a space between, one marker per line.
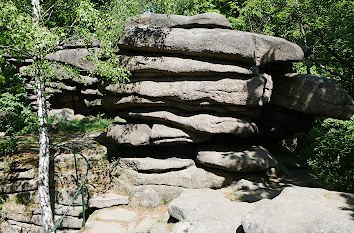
pixel 201 107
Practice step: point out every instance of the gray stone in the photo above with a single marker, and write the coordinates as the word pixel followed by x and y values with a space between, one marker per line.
pixel 203 123
pixel 155 165
pixel 18 175
pixel 117 219
pixel 191 177
pixel 218 43
pixel 312 95
pixel 148 198
pixel 182 227
pixel 165 192
pixel 251 92
pixel 242 159
pixel 159 227
pixel 161 134
pixel 248 185
pixel 108 199
pixel 206 210
pixel 206 20
pixel 19 213
pixel 65 114
pixel 300 209
pixel 117 104
pixel 256 195
pixel 19 186
pixel 142 66
pixel 74 57
pixel 130 134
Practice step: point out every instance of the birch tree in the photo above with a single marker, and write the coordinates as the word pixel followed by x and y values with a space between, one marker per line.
pixel 43 166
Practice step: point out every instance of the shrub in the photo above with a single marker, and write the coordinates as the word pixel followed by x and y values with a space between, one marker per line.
pixel 329 150
pixel 84 125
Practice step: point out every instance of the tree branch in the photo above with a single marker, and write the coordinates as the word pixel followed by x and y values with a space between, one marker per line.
pixel 334 73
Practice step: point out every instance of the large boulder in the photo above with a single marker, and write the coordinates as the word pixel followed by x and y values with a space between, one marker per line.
pixel 229 91
pixel 206 20
pixel 312 95
pixel 214 43
pixel 203 123
pixel 300 209
pixel 205 210
pixel 241 159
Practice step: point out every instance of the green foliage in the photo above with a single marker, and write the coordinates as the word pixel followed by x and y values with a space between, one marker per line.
pixel 78 126
pixel 329 150
pixel 16 118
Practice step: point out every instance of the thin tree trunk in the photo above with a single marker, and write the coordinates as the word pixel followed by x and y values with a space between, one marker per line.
pixel 43 166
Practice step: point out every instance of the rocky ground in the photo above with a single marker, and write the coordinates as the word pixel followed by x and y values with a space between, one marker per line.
pixel 275 203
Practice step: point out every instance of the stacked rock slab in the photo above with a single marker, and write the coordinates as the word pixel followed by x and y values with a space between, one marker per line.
pixel 202 96
pixel 18 187
pixel 74 90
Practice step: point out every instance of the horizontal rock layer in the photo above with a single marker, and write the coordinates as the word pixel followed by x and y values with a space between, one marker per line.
pixel 228 91
pixel 206 20
pixel 215 43
pixel 203 123
pixel 241 159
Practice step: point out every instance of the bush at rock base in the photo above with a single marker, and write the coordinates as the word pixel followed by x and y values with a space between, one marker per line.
pixel 328 149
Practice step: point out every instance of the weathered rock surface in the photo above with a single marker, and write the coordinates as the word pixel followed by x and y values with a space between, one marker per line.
pixel 116 104
pixel 155 165
pixel 165 192
pixel 163 134
pixel 228 91
pixel 312 95
pixel 243 159
pixel 142 66
pixel 118 219
pixel 306 210
pixel 131 134
pixel 191 177
pixel 108 199
pixel 75 57
pixel 206 210
pixel 142 134
pixel 217 43
pixel 206 20
pixel 203 123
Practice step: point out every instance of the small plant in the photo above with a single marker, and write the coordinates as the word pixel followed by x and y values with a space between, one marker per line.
pixel 160 220
pixel 9 145
pixel 2 200
pixel 23 199
pixel 166 200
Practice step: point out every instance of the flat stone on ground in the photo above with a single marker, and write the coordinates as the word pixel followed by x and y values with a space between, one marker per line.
pixel 305 210
pixel 108 199
pixel 206 210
